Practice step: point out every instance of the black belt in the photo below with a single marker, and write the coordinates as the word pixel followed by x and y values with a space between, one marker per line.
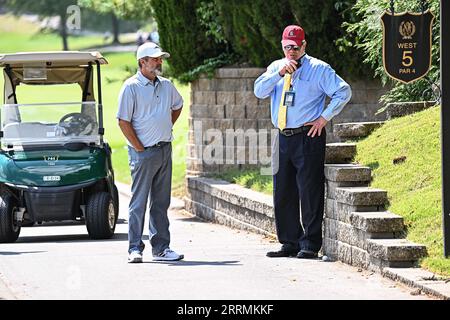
pixel 159 144
pixel 291 132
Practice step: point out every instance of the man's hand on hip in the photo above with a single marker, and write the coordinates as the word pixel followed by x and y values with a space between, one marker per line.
pixel 317 126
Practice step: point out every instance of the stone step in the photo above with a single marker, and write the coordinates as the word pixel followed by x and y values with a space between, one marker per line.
pixel 361 196
pixel 380 222
pixel 340 152
pixel 386 251
pixel 353 130
pixel 400 109
pixel 347 173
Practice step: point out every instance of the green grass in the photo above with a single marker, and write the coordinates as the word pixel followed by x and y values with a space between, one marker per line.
pixel 20 35
pixel 414 185
pixel 180 133
pixel 251 179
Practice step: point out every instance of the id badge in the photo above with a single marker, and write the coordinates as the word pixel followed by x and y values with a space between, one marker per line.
pixel 289 98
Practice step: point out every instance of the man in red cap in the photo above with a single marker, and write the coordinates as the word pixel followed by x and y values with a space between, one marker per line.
pixel 298 85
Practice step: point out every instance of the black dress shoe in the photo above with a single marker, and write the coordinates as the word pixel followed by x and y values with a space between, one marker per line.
pixel 281 253
pixel 307 255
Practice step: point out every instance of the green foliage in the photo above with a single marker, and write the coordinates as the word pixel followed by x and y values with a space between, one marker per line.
pixel 207 13
pixel 202 35
pixel 247 32
pixel 97 15
pixel 254 30
pixel 365 26
pixel 324 35
pixel 101 22
pixel 133 9
pixel 98 5
pixel 126 9
pixel 183 35
pixel 342 32
pixel 207 67
pixel 414 185
pixel 42 7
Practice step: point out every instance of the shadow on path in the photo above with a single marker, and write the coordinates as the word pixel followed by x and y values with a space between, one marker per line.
pixel 71 238
pixel 67 223
pixel 189 219
pixel 10 253
pixel 184 263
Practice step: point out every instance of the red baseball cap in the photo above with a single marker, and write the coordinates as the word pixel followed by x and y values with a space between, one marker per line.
pixel 293 35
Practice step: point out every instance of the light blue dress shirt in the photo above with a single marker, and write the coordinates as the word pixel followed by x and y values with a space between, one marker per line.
pixel 148 106
pixel 312 82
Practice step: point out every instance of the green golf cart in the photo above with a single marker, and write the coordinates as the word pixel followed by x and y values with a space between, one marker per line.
pixel 54 162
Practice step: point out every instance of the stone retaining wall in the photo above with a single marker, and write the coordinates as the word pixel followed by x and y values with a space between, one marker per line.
pixel 230 204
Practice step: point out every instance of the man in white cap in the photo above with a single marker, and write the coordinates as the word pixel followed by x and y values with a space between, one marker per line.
pixel 149 105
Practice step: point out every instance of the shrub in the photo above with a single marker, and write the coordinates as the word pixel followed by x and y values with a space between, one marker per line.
pixel 183 35
pixel 204 35
pixel 254 31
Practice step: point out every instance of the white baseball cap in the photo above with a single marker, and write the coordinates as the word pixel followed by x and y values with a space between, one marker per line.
pixel 152 50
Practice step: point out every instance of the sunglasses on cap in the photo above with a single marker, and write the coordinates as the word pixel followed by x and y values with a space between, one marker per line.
pixel 292 47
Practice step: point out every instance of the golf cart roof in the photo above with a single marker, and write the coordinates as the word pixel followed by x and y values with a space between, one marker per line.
pixel 51 58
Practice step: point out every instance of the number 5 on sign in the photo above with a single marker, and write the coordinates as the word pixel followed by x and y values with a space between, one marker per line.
pixel 407 57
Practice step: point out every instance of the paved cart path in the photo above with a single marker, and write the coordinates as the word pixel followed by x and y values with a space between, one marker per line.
pixel 61 262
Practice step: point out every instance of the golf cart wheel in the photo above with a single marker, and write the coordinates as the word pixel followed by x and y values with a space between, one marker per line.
pixel 100 216
pixel 9 231
pixel 116 203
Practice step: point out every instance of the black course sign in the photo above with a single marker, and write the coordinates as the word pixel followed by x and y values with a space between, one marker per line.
pixel 407 44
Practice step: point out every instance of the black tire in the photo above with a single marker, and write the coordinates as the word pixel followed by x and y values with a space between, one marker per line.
pixel 9 231
pixel 116 202
pixel 100 216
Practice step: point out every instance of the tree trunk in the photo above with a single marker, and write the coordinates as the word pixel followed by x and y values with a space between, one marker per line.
pixel 63 31
pixel 116 28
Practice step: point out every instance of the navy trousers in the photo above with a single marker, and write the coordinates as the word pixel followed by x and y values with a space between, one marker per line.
pixel 300 181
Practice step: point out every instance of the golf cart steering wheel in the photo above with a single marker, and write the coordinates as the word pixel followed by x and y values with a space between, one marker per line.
pixel 76 123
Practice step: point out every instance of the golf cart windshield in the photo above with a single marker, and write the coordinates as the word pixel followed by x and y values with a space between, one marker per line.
pixel 49 124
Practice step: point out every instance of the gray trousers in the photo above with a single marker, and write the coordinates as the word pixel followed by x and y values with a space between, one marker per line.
pixel 151 174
